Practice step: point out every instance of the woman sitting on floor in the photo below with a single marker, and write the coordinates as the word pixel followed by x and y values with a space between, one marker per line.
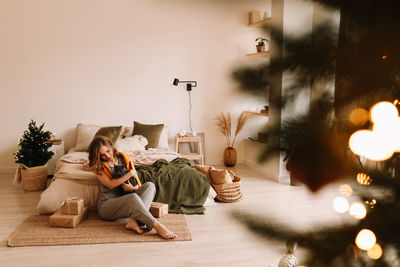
pixel 119 198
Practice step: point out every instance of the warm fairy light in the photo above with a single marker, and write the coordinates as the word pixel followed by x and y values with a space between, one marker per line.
pixel 359 142
pixel 363 179
pixel 365 239
pixel 380 143
pixel 387 134
pixel 346 190
pixel 357 210
pixel 384 57
pixel 374 145
pixel 370 145
pixel 358 116
pixel 340 204
pixel 384 140
pixel 393 134
pixel 383 112
pixel 395 102
pixel 371 203
pixel 375 252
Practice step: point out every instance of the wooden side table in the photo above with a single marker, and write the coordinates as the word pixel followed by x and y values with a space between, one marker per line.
pixel 197 141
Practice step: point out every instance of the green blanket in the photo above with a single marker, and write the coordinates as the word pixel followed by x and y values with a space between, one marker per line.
pixel 179 185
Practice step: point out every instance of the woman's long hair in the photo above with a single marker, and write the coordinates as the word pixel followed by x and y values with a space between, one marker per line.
pixel 95 162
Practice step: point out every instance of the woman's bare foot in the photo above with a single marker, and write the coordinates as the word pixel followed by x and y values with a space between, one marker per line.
pixel 133 225
pixel 163 231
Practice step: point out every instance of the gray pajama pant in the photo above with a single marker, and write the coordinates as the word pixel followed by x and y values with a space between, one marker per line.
pixel 135 205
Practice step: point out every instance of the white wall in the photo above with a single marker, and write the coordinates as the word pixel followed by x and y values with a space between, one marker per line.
pixel 112 62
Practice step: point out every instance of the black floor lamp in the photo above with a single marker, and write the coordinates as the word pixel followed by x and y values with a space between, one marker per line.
pixel 189 85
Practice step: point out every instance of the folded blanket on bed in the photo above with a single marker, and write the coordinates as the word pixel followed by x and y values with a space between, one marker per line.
pixel 184 188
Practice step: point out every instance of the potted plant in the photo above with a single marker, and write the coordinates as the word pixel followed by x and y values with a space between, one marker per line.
pixel 261 44
pixel 33 156
pixel 224 124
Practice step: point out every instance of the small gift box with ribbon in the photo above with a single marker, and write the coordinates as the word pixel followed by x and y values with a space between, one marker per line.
pixel 72 206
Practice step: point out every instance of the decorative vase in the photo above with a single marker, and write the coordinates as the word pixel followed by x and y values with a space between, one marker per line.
pixel 230 157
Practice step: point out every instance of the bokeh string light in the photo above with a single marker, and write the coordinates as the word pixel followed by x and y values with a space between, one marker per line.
pixel 340 204
pixel 375 252
pixel 358 210
pixel 363 179
pixel 346 190
pixel 371 203
pixel 382 141
pixel 365 239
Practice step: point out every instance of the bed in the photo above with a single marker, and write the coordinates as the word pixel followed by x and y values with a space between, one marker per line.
pixel 178 184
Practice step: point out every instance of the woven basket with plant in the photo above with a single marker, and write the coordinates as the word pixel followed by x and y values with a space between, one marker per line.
pixel 32 157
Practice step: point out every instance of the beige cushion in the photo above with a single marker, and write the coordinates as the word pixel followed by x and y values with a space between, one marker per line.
pixel 85 134
pixel 220 176
pixel 131 144
pixel 204 169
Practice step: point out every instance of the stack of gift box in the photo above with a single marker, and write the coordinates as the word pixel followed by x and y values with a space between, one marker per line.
pixel 71 213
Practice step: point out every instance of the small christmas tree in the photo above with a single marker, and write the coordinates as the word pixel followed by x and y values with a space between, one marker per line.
pixel 34 146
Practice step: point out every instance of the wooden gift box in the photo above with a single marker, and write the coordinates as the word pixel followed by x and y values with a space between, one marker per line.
pixel 158 209
pixel 67 220
pixel 72 206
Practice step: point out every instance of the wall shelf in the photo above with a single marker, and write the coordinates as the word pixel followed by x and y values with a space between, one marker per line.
pixel 260 23
pixel 257 113
pixel 264 53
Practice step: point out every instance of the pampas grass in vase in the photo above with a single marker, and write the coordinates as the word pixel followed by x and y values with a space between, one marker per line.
pixel 224 123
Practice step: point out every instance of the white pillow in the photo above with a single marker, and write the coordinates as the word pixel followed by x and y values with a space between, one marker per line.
pixel 130 144
pixel 162 142
pixel 85 134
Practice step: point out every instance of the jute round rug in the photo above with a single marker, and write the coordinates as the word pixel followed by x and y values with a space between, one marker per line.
pixel 35 231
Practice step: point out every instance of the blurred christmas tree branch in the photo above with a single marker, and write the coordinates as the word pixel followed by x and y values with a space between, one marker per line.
pixel 363 62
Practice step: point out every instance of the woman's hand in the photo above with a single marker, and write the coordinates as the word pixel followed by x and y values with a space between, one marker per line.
pixel 128 187
pixel 132 173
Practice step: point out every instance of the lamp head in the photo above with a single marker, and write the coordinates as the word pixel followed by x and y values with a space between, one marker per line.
pixel 189 84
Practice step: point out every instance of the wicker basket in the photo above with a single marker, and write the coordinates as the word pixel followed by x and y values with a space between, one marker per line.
pixel 34 178
pixel 229 192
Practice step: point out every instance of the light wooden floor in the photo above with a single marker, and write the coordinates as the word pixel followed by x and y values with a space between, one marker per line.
pixel 218 239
